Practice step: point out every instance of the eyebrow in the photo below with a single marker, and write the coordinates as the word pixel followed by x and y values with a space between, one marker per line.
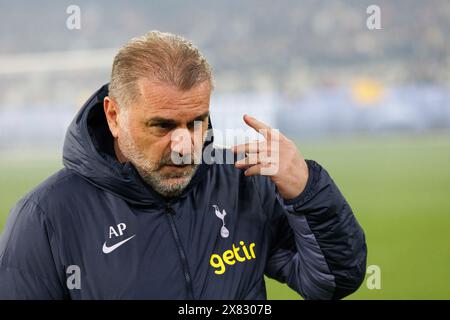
pixel 171 122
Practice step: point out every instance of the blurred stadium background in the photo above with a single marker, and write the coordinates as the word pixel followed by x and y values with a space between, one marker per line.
pixel 372 106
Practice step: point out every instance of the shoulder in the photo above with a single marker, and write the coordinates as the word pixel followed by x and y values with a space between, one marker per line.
pixel 30 215
pixel 56 191
pixel 62 182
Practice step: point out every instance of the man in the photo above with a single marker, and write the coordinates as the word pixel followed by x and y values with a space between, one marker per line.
pixel 134 215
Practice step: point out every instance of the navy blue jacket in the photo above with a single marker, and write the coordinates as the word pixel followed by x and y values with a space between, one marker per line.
pixel 97 220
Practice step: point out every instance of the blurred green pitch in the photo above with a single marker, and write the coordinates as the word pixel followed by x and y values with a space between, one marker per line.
pixel 398 187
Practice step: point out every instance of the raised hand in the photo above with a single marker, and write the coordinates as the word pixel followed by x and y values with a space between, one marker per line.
pixel 276 157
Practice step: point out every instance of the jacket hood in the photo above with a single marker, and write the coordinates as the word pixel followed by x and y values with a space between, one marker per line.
pixel 88 150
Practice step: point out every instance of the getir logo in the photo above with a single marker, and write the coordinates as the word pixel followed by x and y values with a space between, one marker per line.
pixel 230 257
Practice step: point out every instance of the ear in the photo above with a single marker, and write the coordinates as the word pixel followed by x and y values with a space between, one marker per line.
pixel 111 109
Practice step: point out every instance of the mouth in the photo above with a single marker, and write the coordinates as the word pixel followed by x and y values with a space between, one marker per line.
pixel 176 170
pixel 174 174
pixel 180 166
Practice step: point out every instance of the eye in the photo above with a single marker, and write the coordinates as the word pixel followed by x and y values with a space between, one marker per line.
pixel 164 126
pixel 190 125
pixel 161 128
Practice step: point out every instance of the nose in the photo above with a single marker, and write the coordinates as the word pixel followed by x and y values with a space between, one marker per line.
pixel 181 142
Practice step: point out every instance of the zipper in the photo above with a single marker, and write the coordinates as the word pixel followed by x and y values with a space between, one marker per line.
pixel 187 277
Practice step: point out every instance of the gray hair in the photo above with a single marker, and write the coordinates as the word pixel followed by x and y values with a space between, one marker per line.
pixel 163 57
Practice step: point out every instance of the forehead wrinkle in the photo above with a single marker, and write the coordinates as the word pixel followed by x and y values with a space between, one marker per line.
pixel 162 101
pixel 184 106
pixel 167 95
pixel 177 114
pixel 175 109
pixel 167 101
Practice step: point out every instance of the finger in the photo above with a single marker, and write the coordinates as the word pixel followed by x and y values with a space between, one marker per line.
pixel 250 160
pixel 261 169
pixel 243 165
pixel 253 170
pixel 251 147
pixel 253 159
pixel 259 126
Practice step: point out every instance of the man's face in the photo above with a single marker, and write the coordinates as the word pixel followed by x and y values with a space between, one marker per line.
pixel 158 129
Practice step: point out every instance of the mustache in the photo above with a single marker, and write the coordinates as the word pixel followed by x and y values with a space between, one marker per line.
pixel 175 159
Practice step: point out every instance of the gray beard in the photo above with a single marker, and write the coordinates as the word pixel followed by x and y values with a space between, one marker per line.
pixel 150 172
pixel 156 181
